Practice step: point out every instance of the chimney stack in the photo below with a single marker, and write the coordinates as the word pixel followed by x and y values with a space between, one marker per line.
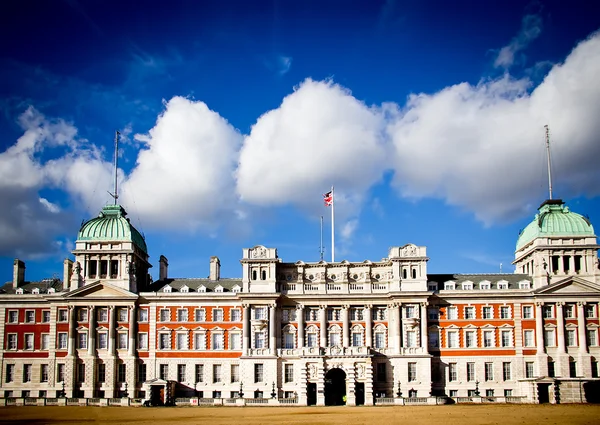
pixel 67 272
pixel 18 273
pixel 163 272
pixel 215 268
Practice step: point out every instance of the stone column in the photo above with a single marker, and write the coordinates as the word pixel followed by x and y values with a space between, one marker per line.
pixel 345 326
pixel 323 325
pixel 91 330
pixel 581 330
pixel 560 327
pixel 368 326
pixel 272 335
pixel 539 327
pixel 397 323
pixel 112 346
pixel 132 332
pixel 72 331
pixel 300 320
pixel 246 330
pixel 424 326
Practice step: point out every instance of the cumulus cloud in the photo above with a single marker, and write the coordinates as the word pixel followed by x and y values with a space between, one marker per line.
pixel 474 146
pixel 183 177
pixel 531 27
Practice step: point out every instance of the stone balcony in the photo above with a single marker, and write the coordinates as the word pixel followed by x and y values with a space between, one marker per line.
pixel 293 288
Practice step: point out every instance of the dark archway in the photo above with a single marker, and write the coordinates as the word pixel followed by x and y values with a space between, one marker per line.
pixel 335 387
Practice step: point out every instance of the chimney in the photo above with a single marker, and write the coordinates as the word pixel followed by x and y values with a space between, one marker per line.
pixel 163 272
pixel 18 273
pixel 67 271
pixel 215 268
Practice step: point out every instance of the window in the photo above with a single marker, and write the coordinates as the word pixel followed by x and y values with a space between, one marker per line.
pixel 470 339
pixel 506 338
pixel 199 373
pixel 452 372
pixel 62 341
pixel 594 368
pixel 143 315
pixel 60 372
pixel 527 312
pixel 217 314
pixel 80 372
pixel 235 373
pixel 10 372
pixel 200 341
pixel 489 371
pixel 164 371
pixel 489 393
pixel 260 313
pixel 357 339
pixel 12 342
pixel 487 312
pixel 469 312
pixel 122 314
pixel 288 340
pixel 551 372
pixel 379 339
pixel 590 311
pixel 528 338
pixel 101 372
pixel 182 315
pixel 181 342
pixel 27 372
pixel 508 393
pixel 506 371
pixel 572 369
pixel 165 315
pixel 547 312
pixel 502 285
pixel 433 313
pixel 122 341
pixel 452 313
pixel 141 372
pixel 434 338
pixel 356 314
pixel 103 315
pixel 102 340
pixel 46 316
pixel 529 373
pixel 411 338
pixel 200 315
pixel 181 373
pixel 45 341
pixel 28 342
pixel 335 338
pixel 63 315
pixel 381 372
pixel 13 316
pixel 30 316
pixel 571 338
pixel 82 315
pixel 470 371
pixel 142 341
pixel 235 341
pixel 44 373
pixel 334 314
pixel 467 286
pixel 259 339
pixel 410 311
pixel 524 284
pixel 82 340
pixel 236 315
pixel 311 339
pixel 504 312
pixel 379 313
pixel 432 286
pixel 449 286
pixel 164 341
pixel 289 373
pixel 121 372
pixel 412 371
pixel 592 337
pixel 452 339
pixel 488 339
pixel 569 311
pixel 216 373
pixel 453 393
pixel 216 342
pixel 549 340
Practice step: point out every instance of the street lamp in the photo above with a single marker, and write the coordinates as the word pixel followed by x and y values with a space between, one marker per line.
pixel 399 393
pixel 241 389
pixel 477 388
pixel 125 394
pixel 273 394
pixel 62 393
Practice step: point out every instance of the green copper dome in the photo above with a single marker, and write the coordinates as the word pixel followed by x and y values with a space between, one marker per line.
pixel 111 225
pixel 555 219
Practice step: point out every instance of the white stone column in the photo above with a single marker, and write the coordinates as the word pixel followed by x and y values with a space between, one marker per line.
pixel 300 320
pixel 323 330
pixel 132 331
pixel 539 327
pixel 72 331
pixel 397 324
pixel 112 346
pixel 424 326
pixel 368 326
pixel 581 329
pixel 346 326
pixel 560 327
pixel 272 335
pixel 246 330
pixel 91 331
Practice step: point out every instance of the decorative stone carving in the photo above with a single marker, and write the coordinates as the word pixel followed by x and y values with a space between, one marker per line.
pixel 409 251
pixel 259 252
pixel 362 370
pixel 312 371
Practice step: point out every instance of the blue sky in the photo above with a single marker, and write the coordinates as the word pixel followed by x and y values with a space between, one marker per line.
pixel 426 116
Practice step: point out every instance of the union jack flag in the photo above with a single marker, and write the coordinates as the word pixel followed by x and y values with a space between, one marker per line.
pixel 328 198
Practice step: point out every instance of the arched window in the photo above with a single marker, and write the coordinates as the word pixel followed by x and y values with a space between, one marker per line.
pixel 414 273
pixel 288 337
pixel 254 275
pixel 263 275
pixel 404 274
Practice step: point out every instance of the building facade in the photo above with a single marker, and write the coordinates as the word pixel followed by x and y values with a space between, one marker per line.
pixel 318 333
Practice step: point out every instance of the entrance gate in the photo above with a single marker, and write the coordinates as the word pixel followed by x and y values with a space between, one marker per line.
pixel 335 387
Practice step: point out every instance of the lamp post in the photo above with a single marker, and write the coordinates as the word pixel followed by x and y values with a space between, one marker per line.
pixel 63 393
pixel 399 393
pixel 477 388
pixel 241 389
pixel 273 394
pixel 125 394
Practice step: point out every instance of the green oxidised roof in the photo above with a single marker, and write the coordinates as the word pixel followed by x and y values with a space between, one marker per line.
pixel 555 219
pixel 111 224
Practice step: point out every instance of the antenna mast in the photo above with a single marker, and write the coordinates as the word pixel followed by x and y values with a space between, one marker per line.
pixel 115 194
pixel 321 250
pixel 549 162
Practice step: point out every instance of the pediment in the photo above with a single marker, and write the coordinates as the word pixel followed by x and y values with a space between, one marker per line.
pixel 100 290
pixel 570 286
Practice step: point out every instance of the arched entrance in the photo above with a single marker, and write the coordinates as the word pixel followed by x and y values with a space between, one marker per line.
pixel 335 387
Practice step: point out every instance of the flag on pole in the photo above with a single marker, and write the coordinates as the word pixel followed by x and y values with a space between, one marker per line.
pixel 328 198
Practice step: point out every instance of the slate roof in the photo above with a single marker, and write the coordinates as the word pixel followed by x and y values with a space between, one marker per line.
pixel 513 279
pixel 28 287
pixel 194 283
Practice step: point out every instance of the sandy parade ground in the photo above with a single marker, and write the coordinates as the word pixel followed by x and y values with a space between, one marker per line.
pixel 442 415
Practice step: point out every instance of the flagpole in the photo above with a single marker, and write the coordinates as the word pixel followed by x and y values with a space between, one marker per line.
pixel 332 227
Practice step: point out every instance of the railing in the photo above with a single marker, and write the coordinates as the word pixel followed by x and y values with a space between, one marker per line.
pixel 515 399
pixel 257 401
pixel 206 401
pixel 230 400
pixel 74 402
pixel 288 400
pixel 51 402
pixel 463 399
pixel 11 401
pixel 489 399
pixel 310 287
pixel 30 401
pixel 114 401
pixel 94 401
pixel 415 400
pixel 334 287
pixel 379 286
pixel 355 287
pixel 384 401
pixel 182 400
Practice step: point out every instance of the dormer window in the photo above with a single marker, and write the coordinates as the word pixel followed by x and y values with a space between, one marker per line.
pixel 167 289
pixel 202 288
pixel 236 288
pixel 218 288
pixel 184 289
pixel 35 291
pixel 503 284
pixel 467 286
pixel 19 291
pixel 524 284
pixel 485 285
pixel 51 290
pixel 449 286
pixel 432 286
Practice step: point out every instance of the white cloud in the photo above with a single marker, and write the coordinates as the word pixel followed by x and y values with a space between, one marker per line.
pixel 284 64
pixel 184 176
pixel 348 229
pixel 531 28
pixel 478 146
